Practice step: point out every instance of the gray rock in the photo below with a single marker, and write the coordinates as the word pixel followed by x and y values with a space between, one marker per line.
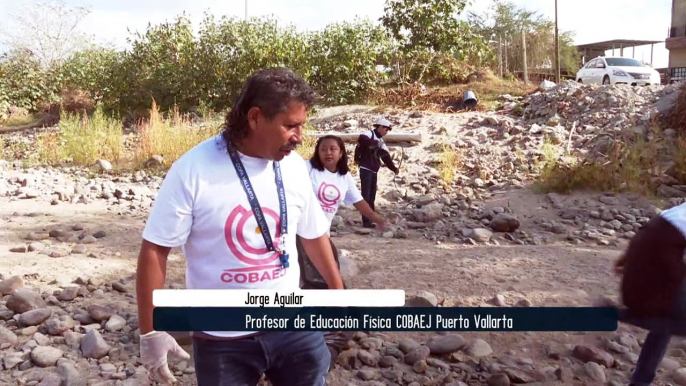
pixel 406 345
pixel 7 336
pixel 36 247
pixel 422 299
pixel 669 364
pixel 609 200
pixel 445 344
pixel 69 293
pixel 59 325
pixel 51 379
pixel 23 299
pixel 45 356
pixel 34 317
pixel 478 348
pixel 12 360
pixel 419 353
pixel 79 249
pixel 73 339
pixel 10 284
pixel 428 213
pixel 367 358
pixel 19 249
pixel 41 339
pixel 481 235
pixel 100 313
pixel 504 223
pixel 103 165
pixel 366 374
pixel 93 345
pixel 595 372
pixel 593 354
pixel 679 376
pixel 499 379
pixel 348 269
pixel 420 366
pixel 115 323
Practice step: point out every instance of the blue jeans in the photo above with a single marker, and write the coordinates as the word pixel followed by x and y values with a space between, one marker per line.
pixel 286 358
pixel 657 341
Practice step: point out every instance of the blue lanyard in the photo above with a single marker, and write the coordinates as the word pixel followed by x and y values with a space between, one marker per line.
pixel 257 210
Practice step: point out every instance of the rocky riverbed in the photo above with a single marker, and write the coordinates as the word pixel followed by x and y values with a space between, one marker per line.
pixel 69 239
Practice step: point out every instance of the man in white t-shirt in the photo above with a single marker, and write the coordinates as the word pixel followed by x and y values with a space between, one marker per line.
pixel 203 206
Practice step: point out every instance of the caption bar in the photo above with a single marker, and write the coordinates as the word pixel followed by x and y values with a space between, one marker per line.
pixel 272 298
pixel 385 319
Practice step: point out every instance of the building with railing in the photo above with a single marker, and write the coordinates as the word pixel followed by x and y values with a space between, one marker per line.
pixel 676 42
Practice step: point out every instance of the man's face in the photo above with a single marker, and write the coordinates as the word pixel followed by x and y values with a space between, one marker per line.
pixel 282 134
pixel 382 130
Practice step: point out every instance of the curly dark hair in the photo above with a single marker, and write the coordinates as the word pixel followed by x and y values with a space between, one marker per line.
pixel 342 166
pixel 272 90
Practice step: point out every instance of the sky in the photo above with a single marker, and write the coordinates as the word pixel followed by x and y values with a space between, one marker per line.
pixel 591 20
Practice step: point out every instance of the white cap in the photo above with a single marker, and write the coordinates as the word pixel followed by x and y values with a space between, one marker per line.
pixel 383 122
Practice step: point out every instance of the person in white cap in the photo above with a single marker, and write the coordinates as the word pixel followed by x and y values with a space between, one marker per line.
pixel 369 153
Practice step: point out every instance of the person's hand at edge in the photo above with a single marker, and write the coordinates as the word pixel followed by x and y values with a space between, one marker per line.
pixel 154 348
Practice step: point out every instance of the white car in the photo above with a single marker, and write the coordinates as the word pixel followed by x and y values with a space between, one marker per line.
pixel 617 70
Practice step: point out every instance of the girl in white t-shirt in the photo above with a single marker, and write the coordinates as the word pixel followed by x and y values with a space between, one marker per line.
pixel 332 182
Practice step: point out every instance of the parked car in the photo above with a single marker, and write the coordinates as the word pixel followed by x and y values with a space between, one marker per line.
pixel 617 70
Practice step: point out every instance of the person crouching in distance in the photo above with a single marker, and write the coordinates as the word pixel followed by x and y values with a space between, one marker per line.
pixel 332 184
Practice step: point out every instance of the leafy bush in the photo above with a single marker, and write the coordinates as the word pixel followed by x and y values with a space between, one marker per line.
pixel 25 83
pixel 177 68
pixel 344 58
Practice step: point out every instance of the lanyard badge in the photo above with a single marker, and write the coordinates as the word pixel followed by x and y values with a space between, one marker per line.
pixel 283 255
pixel 257 210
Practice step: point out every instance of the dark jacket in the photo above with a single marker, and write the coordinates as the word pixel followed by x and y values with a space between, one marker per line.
pixel 372 151
pixel 654 270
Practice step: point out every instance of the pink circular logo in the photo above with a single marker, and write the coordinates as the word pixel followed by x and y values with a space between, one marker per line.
pixel 328 194
pixel 243 236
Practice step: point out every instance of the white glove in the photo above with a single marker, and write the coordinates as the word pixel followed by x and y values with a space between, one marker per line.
pixel 154 347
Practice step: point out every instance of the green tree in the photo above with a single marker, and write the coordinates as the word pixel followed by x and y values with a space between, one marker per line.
pixel 505 22
pixel 433 44
pixel 343 60
pixel 428 24
pixel 24 82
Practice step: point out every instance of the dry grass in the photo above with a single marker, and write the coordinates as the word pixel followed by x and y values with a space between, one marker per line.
pixel 170 137
pixel 306 149
pixel 487 88
pixel 450 162
pixel 17 121
pixel 629 166
pixel 84 139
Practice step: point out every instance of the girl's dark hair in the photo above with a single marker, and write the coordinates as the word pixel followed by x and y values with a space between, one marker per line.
pixel 342 166
pixel 272 90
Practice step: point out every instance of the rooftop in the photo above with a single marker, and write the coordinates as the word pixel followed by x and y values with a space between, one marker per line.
pixel 617 43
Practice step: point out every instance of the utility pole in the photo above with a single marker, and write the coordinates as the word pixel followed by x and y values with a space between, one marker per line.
pixel 526 68
pixel 557 49
pixel 246 10
pixel 500 57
